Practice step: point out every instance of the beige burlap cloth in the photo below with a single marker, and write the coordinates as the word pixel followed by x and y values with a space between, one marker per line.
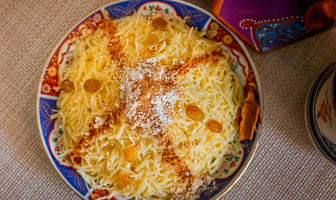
pixel 286 165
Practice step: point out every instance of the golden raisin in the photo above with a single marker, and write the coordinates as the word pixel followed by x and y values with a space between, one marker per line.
pixel 130 154
pixel 123 179
pixel 67 86
pixel 151 40
pixel 195 113
pixel 159 22
pixel 131 36
pixel 91 85
pixel 151 44
pixel 214 126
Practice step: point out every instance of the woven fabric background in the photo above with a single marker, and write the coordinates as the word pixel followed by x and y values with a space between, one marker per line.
pixel 286 164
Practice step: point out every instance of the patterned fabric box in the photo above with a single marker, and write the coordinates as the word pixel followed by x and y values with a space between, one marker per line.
pixel 265 25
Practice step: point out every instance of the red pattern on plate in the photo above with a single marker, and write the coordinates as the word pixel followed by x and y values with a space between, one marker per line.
pixel 100 193
pixel 217 32
pixel 50 78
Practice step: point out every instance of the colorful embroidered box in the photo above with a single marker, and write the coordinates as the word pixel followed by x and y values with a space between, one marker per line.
pixel 265 25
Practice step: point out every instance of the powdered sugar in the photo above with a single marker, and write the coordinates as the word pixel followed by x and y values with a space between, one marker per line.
pixel 150 96
pixel 162 102
pixel 151 60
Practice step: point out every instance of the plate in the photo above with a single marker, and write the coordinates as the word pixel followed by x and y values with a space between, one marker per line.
pixel 233 166
pixel 313 112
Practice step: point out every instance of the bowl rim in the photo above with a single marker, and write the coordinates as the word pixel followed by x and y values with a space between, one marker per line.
pixel 310 99
pixel 257 133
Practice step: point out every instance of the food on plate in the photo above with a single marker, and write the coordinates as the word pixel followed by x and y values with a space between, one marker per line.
pixel 148 108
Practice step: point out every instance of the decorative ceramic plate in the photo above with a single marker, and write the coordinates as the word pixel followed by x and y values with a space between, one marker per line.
pixel 232 167
pixel 315 111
